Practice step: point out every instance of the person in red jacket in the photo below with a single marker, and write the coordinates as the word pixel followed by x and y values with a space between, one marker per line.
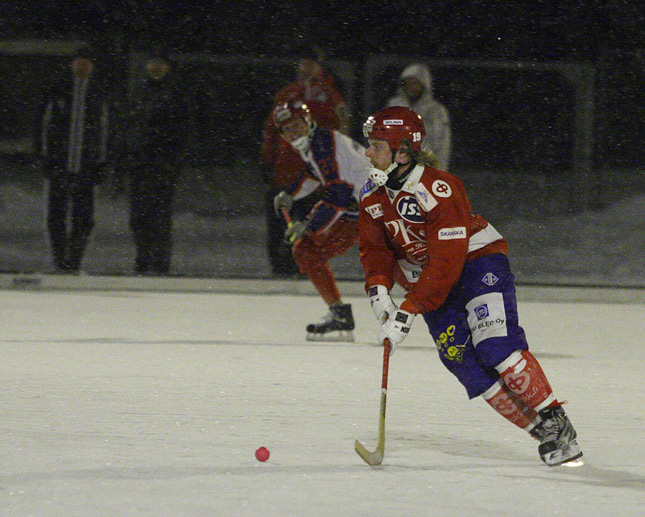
pixel 417 229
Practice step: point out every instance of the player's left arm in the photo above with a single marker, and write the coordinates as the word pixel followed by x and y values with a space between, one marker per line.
pixel 337 198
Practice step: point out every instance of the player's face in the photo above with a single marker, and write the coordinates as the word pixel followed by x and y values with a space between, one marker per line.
pixel 379 153
pixel 295 129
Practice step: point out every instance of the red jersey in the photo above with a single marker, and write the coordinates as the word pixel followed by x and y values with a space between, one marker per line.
pixel 421 236
pixel 276 151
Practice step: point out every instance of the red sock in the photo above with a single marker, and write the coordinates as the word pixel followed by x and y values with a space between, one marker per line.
pixel 325 283
pixel 524 376
pixel 510 406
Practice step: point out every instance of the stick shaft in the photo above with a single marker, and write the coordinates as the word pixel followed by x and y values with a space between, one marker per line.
pixel 286 215
pixel 381 421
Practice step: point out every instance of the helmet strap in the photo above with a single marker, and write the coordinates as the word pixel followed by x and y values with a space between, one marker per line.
pixel 396 183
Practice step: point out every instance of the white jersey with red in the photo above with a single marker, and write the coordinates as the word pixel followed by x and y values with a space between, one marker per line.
pixel 338 164
pixel 421 236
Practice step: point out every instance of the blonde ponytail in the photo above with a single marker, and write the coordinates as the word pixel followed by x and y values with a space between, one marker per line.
pixel 426 158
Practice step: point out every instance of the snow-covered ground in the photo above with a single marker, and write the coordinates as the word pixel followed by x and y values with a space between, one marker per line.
pixel 590 248
pixel 141 403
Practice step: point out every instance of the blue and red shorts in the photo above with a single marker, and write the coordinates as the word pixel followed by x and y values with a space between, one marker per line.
pixel 477 327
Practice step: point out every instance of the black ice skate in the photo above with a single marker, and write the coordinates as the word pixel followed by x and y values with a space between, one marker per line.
pixel 336 325
pixel 557 437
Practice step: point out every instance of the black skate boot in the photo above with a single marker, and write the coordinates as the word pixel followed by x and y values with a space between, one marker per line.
pixel 557 437
pixel 336 325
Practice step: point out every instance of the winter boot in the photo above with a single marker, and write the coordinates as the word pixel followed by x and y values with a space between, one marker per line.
pixel 336 325
pixel 557 437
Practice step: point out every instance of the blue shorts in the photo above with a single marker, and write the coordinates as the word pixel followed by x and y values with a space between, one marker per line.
pixel 477 327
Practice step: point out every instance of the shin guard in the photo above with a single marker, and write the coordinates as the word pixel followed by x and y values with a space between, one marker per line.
pixel 524 376
pixel 510 406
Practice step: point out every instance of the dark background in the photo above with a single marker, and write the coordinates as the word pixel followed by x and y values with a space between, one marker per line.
pixel 510 75
pixel 608 35
pixel 545 30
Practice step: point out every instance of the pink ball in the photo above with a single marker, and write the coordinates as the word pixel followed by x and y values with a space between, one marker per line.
pixel 262 454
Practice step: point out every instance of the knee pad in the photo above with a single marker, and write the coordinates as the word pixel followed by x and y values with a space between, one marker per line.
pixel 510 406
pixel 524 376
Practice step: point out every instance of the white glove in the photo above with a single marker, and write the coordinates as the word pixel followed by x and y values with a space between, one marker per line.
pixel 396 328
pixel 381 302
pixel 282 200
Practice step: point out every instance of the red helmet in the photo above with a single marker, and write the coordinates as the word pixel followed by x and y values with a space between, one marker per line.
pixel 285 112
pixel 394 125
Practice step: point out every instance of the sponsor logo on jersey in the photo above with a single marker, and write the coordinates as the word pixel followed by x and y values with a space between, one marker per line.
pixel 481 312
pixel 441 189
pixel 446 234
pixel 375 210
pixel 368 188
pixel 393 122
pixel 425 199
pixel 490 279
pixel 408 207
pixel 412 239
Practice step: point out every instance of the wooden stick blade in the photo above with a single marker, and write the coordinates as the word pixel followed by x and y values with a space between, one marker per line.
pixel 371 458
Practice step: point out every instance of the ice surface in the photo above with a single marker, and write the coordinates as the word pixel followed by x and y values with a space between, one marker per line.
pixel 135 403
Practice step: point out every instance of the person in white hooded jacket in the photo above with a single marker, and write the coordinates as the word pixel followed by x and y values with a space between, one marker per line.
pixel 415 92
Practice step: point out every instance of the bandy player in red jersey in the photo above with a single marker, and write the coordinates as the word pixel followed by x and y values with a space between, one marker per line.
pixel 417 229
pixel 336 165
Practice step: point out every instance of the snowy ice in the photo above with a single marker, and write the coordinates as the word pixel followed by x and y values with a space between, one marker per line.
pixel 152 403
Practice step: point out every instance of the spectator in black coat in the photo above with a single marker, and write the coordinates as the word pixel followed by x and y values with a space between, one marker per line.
pixel 156 132
pixel 73 146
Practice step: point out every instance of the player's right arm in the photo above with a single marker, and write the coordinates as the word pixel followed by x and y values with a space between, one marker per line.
pixel 377 257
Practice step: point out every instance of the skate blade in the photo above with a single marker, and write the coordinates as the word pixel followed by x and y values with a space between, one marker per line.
pixel 336 335
pixel 573 463
pixel 563 456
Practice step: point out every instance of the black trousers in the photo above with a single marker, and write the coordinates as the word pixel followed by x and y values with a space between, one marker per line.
pixel 152 191
pixel 70 219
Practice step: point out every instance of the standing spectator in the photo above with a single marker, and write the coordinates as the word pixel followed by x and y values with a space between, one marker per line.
pixel 415 92
pixel 156 130
pixel 336 164
pixel 73 146
pixel 281 164
pixel 316 86
pixel 417 229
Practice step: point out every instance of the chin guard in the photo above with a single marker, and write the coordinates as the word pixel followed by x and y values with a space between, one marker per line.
pixel 380 177
pixel 301 143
